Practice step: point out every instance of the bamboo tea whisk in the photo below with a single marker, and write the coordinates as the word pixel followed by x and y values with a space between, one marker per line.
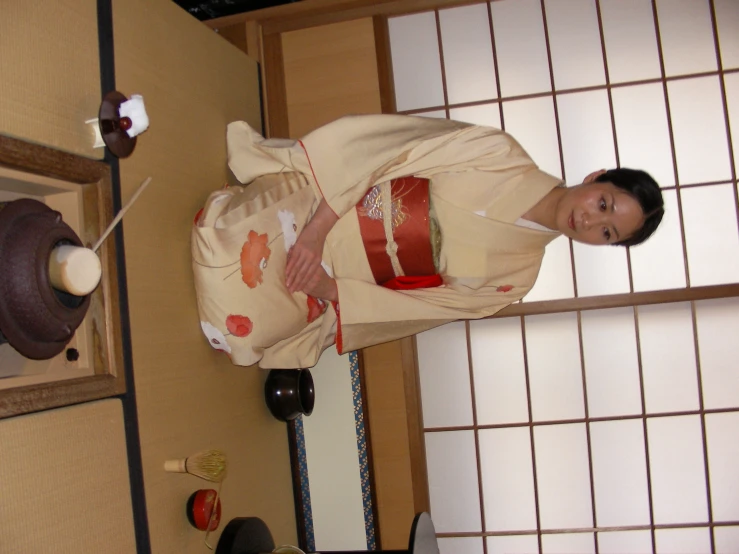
pixel 210 465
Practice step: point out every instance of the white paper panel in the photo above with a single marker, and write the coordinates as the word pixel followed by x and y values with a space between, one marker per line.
pixel 574 41
pixel 553 349
pixel 416 61
pixel 642 133
pixel 462 545
pixel 523 64
pixel 718 323
pixel 587 137
pixel 668 358
pixel 468 54
pixel 452 469
pixel 682 541
pixel 568 543
pixel 726 540
pixel 659 263
pixel 507 479
pixel 485 114
pixel 687 36
pixel 600 269
pixel 731 82
pixel 563 476
pixel 500 375
pixel 727 19
pixel 722 436
pixel 699 129
pixel 533 125
pixel 555 276
pixel 622 542
pixel 676 470
pixel 711 236
pixel 631 43
pixel 445 376
pixel 516 544
pixel 619 473
pixel 611 364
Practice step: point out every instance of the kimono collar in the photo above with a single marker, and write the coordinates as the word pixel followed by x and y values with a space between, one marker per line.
pixel 521 194
pixel 470 228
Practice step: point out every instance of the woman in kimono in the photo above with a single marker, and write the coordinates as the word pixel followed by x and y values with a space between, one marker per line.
pixel 377 227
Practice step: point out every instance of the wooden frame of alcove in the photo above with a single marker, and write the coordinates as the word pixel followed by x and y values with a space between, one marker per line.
pixel 94 181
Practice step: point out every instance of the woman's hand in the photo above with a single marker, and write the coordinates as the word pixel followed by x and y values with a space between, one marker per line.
pixel 320 285
pixel 304 259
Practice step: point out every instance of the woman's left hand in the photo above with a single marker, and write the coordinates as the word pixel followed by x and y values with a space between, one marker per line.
pixel 304 259
pixel 320 285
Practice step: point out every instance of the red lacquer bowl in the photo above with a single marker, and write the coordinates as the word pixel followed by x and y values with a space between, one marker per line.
pixel 200 509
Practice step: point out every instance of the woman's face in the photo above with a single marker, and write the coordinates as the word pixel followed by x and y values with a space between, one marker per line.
pixel 598 213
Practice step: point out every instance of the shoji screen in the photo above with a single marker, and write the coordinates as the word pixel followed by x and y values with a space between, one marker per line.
pixel 607 430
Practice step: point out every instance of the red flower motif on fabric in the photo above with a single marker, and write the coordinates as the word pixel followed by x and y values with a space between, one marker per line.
pixel 239 325
pixel 254 257
pixel 316 307
pixel 505 288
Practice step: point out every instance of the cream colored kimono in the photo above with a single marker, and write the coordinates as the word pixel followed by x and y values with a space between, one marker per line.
pixel 482 182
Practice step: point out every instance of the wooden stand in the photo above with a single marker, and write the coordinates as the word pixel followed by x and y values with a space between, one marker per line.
pixel 91 366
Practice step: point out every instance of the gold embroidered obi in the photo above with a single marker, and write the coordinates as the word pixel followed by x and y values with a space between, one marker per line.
pixel 399 230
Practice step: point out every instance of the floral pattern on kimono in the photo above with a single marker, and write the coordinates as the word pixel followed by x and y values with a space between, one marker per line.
pixel 254 257
pixel 239 325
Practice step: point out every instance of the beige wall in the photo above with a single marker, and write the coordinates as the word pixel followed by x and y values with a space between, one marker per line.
pixel 330 71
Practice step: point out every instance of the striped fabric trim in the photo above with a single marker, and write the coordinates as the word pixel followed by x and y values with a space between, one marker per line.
pixel 305 485
pixel 369 522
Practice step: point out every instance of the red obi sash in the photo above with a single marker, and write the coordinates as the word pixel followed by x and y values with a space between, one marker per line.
pixel 409 218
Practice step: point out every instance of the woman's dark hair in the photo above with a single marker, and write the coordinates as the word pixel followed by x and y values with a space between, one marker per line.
pixel 645 190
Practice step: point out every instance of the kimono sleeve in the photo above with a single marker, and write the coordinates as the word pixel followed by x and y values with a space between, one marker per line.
pixel 347 157
pixel 354 153
pixel 370 314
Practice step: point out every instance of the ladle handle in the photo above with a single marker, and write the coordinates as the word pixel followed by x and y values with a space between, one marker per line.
pixel 120 215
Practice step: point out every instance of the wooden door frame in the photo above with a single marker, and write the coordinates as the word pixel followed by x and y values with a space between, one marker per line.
pixel 259 34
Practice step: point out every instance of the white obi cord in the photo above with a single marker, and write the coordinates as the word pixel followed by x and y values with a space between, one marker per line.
pixel 387 222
